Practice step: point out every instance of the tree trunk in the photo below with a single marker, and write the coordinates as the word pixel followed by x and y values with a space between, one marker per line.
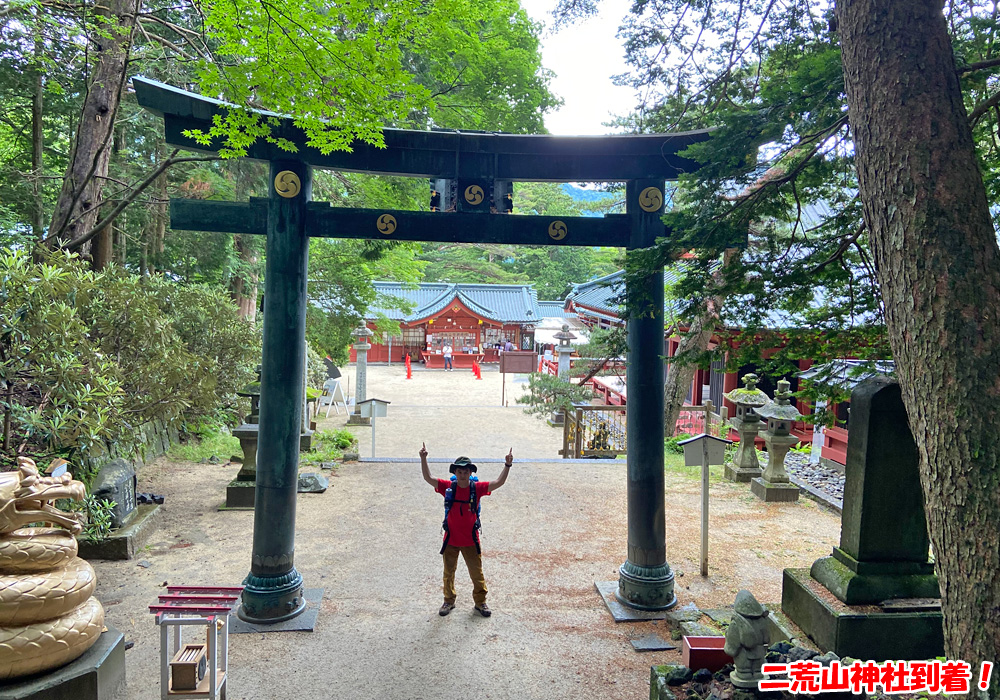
pixel 939 271
pixel 680 374
pixel 38 136
pixel 77 208
pixel 244 286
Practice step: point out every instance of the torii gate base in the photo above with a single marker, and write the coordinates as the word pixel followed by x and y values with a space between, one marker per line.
pixel 481 164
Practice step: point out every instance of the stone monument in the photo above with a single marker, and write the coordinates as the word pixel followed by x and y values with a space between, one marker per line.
pixel 116 482
pixel 361 385
pixel 883 557
pixel 746 422
pixel 774 484
pixel 747 639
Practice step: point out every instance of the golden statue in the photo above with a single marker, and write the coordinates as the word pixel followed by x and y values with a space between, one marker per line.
pixel 47 614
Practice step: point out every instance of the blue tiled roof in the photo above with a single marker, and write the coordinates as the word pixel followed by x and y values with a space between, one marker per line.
pixel 554 309
pixel 598 294
pixel 513 303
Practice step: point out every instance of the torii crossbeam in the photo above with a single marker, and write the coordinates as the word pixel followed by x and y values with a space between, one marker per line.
pixel 478 162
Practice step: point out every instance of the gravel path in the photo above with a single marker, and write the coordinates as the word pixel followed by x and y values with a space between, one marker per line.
pixel 371 542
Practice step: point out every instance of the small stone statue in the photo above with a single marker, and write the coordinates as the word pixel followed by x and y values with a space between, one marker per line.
pixel 747 640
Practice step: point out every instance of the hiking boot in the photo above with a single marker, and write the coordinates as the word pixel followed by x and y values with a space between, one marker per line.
pixel 446 608
pixel 483 610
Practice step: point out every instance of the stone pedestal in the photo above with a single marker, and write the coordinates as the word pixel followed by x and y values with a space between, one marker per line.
pixel 240 491
pixel 97 675
pixel 883 552
pixel 774 485
pixel 774 492
pixel 745 466
pixel 124 542
pixel 247 435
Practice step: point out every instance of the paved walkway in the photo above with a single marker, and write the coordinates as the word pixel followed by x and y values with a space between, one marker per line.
pixel 371 541
pixel 453 412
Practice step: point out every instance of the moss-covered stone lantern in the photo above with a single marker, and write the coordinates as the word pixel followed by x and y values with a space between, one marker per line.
pixel 745 466
pixel 773 484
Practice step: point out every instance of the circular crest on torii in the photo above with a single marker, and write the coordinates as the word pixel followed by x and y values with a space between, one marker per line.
pixel 474 194
pixel 287 184
pixel 558 230
pixel 386 224
pixel 651 199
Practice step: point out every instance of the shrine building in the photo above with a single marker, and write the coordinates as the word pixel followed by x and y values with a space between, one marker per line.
pixel 475 319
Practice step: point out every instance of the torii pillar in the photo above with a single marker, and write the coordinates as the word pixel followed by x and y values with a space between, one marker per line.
pixel 273 588
pixel 645 579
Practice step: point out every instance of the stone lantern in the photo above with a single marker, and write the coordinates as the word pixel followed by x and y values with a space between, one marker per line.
pixel 774 484
pixel 240 491
pixel 360 388
pixel 564 349
pixel 252 392
pixel 746 422
pixel 563 352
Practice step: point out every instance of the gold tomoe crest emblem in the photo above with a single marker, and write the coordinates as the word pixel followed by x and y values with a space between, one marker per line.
pixel 651 199
pixel 386 224
pixel 287 184
pixel 557 230
pixel 473 194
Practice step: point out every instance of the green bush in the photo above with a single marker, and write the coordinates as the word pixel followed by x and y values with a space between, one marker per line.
pixel 86 358
pixel 315 368
pixel 98 515
pixel 547 393
pixel 328 446
pixel 341 439
pixel 671 446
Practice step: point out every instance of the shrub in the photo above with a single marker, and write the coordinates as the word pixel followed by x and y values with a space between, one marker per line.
pixel 85 358
pixel 315 368
pixel 671 444
pixel 547 393
pixel 61 393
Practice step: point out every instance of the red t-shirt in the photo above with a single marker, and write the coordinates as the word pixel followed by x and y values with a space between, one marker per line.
pixel 461 518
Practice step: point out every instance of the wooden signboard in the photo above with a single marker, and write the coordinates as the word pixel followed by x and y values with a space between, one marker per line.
pixel 518 362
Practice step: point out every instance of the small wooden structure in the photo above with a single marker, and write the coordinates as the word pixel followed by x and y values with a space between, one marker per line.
pixel 195 670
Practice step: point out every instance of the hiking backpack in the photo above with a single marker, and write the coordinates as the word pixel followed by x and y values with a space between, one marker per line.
pixel 474 505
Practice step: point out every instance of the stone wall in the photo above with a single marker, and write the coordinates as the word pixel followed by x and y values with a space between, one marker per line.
pixel 154 439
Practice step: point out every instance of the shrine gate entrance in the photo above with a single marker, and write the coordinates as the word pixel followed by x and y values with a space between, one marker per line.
pixel 480 164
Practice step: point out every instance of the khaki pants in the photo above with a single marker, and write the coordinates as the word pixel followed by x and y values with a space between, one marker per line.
pixel 474 562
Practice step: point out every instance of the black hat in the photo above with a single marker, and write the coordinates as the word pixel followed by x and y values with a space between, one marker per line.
pixel 462 462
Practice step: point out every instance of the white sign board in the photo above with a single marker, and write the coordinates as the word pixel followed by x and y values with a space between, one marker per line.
pixel 373 408
pixel 695 451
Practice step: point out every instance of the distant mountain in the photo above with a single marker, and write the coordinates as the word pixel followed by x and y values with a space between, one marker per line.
pixel 581 194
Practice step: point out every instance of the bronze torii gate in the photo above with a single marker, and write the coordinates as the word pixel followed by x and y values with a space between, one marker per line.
pixel 479 162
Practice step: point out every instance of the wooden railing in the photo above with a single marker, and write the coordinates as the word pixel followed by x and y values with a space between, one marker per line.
pixel 703 419
pixel 601 431
pixel 594 431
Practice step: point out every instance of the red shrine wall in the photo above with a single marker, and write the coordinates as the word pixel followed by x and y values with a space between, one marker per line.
pixel 471 339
